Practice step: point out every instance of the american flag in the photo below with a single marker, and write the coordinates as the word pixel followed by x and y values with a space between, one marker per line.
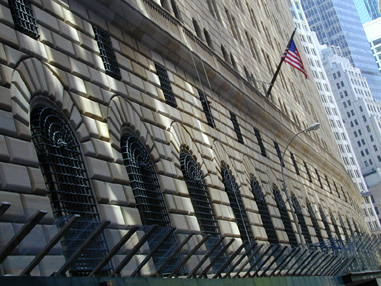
pixel 292 57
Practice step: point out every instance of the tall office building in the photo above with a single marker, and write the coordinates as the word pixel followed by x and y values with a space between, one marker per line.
pixel 311 48
pixel 368 10
pixel 373 32
pixel 338 23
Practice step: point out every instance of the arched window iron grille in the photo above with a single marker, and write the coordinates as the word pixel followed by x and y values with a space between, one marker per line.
pixel 199 195
pixel 147 192
pixel 302 221
pixel 68 186
pixel 236 204
pixel 284 217
pixel 206 108
pixel 263 211
pixel 260 142
pixel 165 85
pixel 325 222
pixel 295 163
pixel 23 17
pixel 107 52
pixel 314 222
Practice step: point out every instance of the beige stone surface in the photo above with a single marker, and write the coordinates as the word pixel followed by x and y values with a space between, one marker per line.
pixel 10 175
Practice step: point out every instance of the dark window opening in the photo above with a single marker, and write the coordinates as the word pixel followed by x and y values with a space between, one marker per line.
pixel 23 18
pixel 314 222
pixel 284 217
pixel 325 222
pixel 307 171
pixel 165 85
pixel 107 53
pixel 263 211
pixel 148 196
pixel 260 142
pixel 206 108
pixel 278 152
pixel 68 186
pixel 301 220
pixel 236 127
pixel 294 163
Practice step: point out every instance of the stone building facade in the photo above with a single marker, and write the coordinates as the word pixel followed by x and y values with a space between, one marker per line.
pixel 154 112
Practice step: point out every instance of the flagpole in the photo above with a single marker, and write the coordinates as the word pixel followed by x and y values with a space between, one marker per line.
pixel 279 66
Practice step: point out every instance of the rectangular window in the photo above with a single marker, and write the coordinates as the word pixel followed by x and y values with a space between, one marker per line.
pixel 107 52
pixel 319 179
pixel 276 145
pixel 260 143
pixel 207 110
pixel 23 18
pixel 294 163
pixel 236 127
pixel 308 171
pixel 165 85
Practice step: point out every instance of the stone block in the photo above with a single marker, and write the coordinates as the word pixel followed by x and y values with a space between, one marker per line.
pixel 192 223
pixel 136 82
pixel 167 184
pixel 10 175
pixel 49 232
pixel 6 233
pixel 32 203
pixel 215 195
pixel 98 169
pixel 73 20
pixel 62 44
pixel 4 154
pixel 83 55
pixel 57 59
pixel 225 228
pixel 8 36
pixel 113 214
pixel 51 264
pixel 22 152
pixel 178 221
pixel 131 216
pixel 129 195
pixel 129 268
pixel 116 194
pixel 34 242
pixel 103 149
pixel 170 203
pixel 118 173
pixel 86 106
pixel 80 69
pixel 13 265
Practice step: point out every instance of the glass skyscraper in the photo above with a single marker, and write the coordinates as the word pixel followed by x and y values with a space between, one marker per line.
pixel 367 9
pixel 337 22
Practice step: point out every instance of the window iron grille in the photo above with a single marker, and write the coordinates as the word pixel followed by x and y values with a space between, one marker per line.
pixel 337 230
pixel 301 220
pixel 295 163
pixel 199 195
pixel 278 152
pixel 350 226
pixel 236 127
pixel 23 18
pixel 68 186
pixel 236 204
pixel 329 185
pixel 263 211
pixel 345 230
pixel 147 192
pixel 107 52
pixel 206 108
pixel 165 85
pixel 284 217
pixel 307 171
pixel 260 142
pixel 319 179
pixel 325 222
pixel 314 222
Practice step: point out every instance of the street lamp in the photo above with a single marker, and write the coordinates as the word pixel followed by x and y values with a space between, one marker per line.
pixel 314 126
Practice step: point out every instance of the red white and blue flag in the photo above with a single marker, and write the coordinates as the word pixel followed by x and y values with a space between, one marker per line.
pixel 292 57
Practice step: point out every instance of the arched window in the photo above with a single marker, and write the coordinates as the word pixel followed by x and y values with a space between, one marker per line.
pixel 147 192
pixel 325 222
pixel 68 185
pixel 302 221
pixel 263 211
pixel 314 222
pixel 236 204
pixel 199 195
pixel 225 54
pixel 284 217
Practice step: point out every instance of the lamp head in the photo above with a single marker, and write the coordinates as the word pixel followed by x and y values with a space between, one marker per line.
pixel 314 126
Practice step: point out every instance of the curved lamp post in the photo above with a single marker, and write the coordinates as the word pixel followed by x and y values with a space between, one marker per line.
pixel 314 126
